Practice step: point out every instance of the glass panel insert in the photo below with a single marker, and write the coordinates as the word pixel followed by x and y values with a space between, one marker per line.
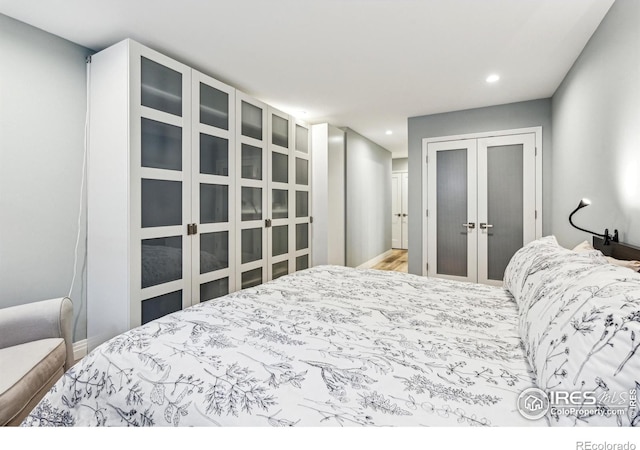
pixel 161 203
pixel 251 245
pixel 280 269
pixel 161 87
pixel 279 168
pixel 302 139
pixel 251 162
pixel 251 203
pixel 302 236
pixel 161 260
pixel 280 204
pixel 214 155
pixel 214 251
pixel 251 121
pixel 280 240
pixel 214 107
pixel 214 203
pixel 302 171
pixel 156 307
pixel 451 198
pixel 505 208
pixel 252 278
pixel 302 203
pixel 280 131
pixel 214 289
pixel 302 262
pixel 161 145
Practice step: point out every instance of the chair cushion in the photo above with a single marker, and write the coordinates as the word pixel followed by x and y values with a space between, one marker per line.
pixel 28 372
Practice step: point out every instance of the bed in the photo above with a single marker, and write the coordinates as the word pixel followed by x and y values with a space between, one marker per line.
pixel 335 346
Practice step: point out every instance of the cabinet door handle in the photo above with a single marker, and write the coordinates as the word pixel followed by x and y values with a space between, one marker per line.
pixel 470 225
pixel 484 226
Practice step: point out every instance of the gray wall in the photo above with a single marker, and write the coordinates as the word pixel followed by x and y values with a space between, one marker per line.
pixel 400 164
pixel 328 195
pixel 368 199
pixel 494 118
pixel 596 123
pixel 42 116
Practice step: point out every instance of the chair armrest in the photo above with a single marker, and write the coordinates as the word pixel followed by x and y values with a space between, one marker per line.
pixel 38 320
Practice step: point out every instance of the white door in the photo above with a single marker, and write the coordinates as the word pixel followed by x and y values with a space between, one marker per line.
pixel 481 205
pixel 396 210
pixel 452 210
pixel 405 210
pixel 506 201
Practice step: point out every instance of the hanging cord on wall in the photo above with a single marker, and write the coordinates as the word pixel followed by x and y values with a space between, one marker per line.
pixel 84 173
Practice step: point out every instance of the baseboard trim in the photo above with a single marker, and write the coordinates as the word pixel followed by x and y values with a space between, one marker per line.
pixel 372 262
pixel 79 349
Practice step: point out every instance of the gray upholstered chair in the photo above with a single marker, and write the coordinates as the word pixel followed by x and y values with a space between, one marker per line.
pixel 36 348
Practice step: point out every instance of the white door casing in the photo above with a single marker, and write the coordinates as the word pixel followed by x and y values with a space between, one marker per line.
pixel 488 157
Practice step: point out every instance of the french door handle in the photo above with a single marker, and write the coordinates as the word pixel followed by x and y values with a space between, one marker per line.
pixel 470 225
pixel 484 226
pixel 405 215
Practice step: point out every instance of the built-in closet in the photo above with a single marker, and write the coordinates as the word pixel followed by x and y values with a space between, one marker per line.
pixel 482 200
pixel 195 190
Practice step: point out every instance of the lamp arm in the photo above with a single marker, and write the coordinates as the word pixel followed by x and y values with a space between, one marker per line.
pixel 582 229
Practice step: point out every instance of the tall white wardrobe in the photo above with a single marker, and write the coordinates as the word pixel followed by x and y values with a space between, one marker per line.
pixel 195 190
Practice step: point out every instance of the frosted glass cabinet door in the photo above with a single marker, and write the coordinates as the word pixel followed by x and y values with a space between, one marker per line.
pixel 252 191
pixel 302 196
pixel 161 173
pixel 213 189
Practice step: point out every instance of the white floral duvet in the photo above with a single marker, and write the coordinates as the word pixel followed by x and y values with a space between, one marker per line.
pixel 326 346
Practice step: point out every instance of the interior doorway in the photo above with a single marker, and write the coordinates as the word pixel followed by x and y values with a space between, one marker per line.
pixel 399 210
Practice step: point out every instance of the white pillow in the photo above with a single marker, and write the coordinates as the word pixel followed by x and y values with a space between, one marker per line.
pixel 579 320
pixel 585 247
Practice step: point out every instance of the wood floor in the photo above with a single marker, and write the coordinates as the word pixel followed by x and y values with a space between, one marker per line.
pixel 397 261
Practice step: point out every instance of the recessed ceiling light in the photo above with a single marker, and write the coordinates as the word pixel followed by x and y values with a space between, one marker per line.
pixel 388 132
pixel 493 78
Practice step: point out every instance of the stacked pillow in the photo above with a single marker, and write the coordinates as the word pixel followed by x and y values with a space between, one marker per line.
pixel 580 326
pixel 585 247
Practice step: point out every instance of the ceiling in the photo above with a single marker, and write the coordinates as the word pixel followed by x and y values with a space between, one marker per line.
pixel 363 64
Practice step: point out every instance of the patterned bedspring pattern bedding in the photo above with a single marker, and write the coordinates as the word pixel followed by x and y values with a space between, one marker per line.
pixel 326 346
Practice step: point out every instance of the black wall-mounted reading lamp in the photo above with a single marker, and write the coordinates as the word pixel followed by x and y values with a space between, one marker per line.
pixel 606 236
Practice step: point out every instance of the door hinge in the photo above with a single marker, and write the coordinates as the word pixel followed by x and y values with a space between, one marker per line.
pixel 427 160
pixel 427 213
pixel 536 152
pixel 536 213
pixel 427 267
pixel 310 219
